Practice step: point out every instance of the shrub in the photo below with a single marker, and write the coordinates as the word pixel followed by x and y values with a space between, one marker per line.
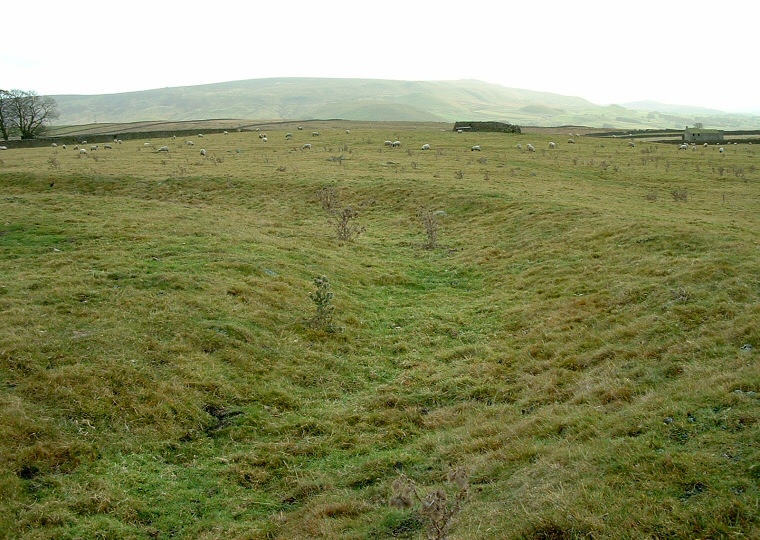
pixel 429 220
pixel 345 226
pixel 322 298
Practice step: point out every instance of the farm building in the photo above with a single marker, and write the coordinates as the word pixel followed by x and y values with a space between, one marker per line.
pixel 701 135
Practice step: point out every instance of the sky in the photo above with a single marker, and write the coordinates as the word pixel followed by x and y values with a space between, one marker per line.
pixel 687 53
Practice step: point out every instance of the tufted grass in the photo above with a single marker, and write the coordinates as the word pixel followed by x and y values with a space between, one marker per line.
pixel 586 350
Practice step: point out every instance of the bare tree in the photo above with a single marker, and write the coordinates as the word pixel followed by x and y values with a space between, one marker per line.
pixel 27 113
pixel 6 123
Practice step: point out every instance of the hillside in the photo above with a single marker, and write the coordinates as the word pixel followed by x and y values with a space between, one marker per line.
pixel 374 100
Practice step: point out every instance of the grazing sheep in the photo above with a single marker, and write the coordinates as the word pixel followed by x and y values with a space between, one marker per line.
pixel 3 148
pixel 203 151
pixel 631 144
pixel 396 144
pixel 306 146
pixel 225 132
pixel 552 145
pixel 426 147
pixel 200 135
pixel 189 143
pixel 388 143
pixel 705 145
pixel 163 149
pixel 264 139
pixel 460 131
pixel 262 135
pixel 83 142
pixel 288 136
pixel 147 145
pixel 174 137
pixel 475 148
pixel 54 145
pixel 82 152
pixel 107 147
pixel 300 128
pixel 519 146
pixel 64 147
pixel 76 147
pixel 571 141
pixel 94 147
pixel 348 131
pixel 530 148
pixel 315 133
pixel 720 150
pixel 683 146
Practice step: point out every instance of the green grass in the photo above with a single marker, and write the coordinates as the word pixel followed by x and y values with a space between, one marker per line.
pixel 577 340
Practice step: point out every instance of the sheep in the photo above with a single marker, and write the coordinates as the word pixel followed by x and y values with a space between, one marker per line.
pixel 426 147
pixel 519 146
pixel 107 147
pixel 315 133
pixel 683 146
pixel 306 146
pixel 200 135
pixel 64 147
pixel 83 142
pixel 348 131
pixel 264 139
pixel 288 136
pixel 530 148
pixel 631 144
pixel 147 145
pixel 552 145
pixel 82 152
pixel 475 148
pixel 189 143
pixel 163 149
pixel 203 152
pixel 720 150
pixel 76 147
pixel 705 145
pixel 388 143
pixel 571 141
pixel 174 137
pixel 300 128
pixel 396 144
pixel 3 148
pixel 94 147
pixel 262 135
pixel 225 132
pixel 54 145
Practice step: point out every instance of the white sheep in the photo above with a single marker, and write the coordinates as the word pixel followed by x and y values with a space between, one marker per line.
pixel 426 147
pixel 315 133
pixel 705 145
pixel 163 149
pixel 720 150
pixel 571 141
pixel 348 131
pixel 530 148
pixel 189 143
pixel 306 146
pixel 225 132
pixel 519 146
pixel 203 151
pixel 552 145
pixel 82 152
pixel 147 145
pixel 3 148
pixel 83 142
pixel 396 144
pixel 288 136
pixel 107 147
pixel 64 147
pixel 388 143
pixel 264 139
pixel 300 128
pixel 631 144
pixel 475 148
pixel 200 135
pixel 262 135
pixel 94 147
pixel 683 146
pixel 54 145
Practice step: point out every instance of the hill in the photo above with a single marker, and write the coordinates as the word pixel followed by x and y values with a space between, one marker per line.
pixel 373 100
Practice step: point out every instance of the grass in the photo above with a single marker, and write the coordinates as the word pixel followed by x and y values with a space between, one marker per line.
pixel 579 345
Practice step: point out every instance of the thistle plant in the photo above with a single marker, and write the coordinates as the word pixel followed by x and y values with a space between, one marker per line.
pixel 322 298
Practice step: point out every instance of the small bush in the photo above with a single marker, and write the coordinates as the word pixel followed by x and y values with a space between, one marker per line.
pixel 429 220
pixel 328 197
pixel 322 298
pixel 680 195
pixel 344 224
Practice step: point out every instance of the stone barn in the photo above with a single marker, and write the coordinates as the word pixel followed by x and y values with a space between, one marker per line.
pixel 701 135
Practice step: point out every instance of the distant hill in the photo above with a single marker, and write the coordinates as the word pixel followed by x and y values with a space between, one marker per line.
pixel 377 100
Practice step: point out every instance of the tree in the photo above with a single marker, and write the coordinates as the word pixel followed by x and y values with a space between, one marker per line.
pixel 5 114
pixel 25 113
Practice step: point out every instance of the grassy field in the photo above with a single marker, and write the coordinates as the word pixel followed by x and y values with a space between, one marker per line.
pixel 572 353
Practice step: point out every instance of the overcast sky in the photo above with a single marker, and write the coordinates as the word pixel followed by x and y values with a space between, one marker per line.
pixel 687 52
